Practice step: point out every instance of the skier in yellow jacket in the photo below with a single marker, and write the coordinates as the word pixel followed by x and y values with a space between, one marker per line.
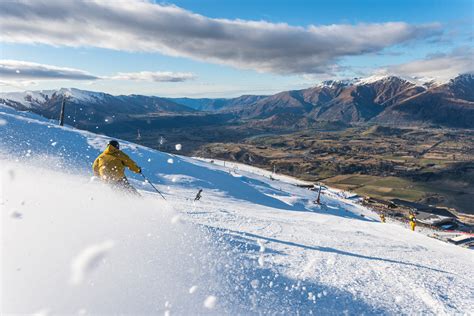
pixel 110 165
pixel 412 220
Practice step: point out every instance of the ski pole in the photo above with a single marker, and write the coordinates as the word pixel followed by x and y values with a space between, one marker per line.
pixel 146 180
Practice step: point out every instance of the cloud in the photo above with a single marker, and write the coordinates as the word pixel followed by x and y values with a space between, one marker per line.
pixel 137 25
pixel 157 76
pixel 441 66
pixel 18 73
pixel 24 71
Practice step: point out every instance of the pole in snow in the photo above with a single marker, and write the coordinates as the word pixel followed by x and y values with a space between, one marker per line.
pixel 146 180
pixel 318 201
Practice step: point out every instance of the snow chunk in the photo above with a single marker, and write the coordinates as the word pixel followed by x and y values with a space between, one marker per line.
pixel 3 122
pixel 178 147
pixel 176 219
pixel 193 289
pixel 210 302
pixel 255 283
pixel 88 260
pixel 170 161
pixel 181 178
pixel 16 215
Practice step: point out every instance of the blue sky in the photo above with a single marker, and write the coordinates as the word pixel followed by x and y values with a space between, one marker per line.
pixel 228 48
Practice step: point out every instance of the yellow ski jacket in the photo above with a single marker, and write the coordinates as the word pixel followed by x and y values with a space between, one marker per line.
pixel 110 165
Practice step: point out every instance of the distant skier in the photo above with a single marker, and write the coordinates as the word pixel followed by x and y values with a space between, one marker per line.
pixel 110 165
pixel 412 220
pixel 198 195
pixel 382 217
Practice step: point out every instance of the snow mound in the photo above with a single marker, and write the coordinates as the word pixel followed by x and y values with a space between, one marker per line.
pixel 77 248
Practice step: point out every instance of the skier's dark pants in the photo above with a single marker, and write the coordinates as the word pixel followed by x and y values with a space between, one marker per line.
pixel 124 186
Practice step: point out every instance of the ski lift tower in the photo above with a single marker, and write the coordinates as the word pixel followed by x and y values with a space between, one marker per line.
pixel 66 95
pixel 61 115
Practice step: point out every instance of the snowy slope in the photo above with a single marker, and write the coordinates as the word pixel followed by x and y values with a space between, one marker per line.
pixel 251 245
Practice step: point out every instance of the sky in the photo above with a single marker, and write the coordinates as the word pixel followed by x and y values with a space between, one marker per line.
pixel 224 48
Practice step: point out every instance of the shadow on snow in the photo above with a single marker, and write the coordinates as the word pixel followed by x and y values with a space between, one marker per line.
pixel 251 288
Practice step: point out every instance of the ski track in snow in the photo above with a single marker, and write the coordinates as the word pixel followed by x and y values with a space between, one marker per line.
pixel 269 248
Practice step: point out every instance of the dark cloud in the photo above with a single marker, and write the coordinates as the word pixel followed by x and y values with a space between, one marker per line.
pixel 16 72
pixel 21 70
pixel 134 25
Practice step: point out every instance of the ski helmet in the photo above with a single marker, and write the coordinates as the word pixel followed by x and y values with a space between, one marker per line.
pixel 115 144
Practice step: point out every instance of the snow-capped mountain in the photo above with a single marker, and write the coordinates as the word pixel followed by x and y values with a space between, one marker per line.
pixel 357 100
pixel 450 104
pixel 384 99
pixel 88 107
pixel 32 99
pixel 253 244
pixel 379 78
pixel 462 87
pixel 378 99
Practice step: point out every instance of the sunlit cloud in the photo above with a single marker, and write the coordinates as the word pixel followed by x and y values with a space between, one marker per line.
pixel 157 76
pixel 441 67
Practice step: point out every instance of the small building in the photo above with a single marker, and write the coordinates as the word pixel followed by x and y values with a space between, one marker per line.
pixel 466 240
pixel 418 207
pixel 442 222
pixel 430 215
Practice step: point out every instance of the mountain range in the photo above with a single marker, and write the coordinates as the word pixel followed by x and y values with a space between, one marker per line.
pixel 386 100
